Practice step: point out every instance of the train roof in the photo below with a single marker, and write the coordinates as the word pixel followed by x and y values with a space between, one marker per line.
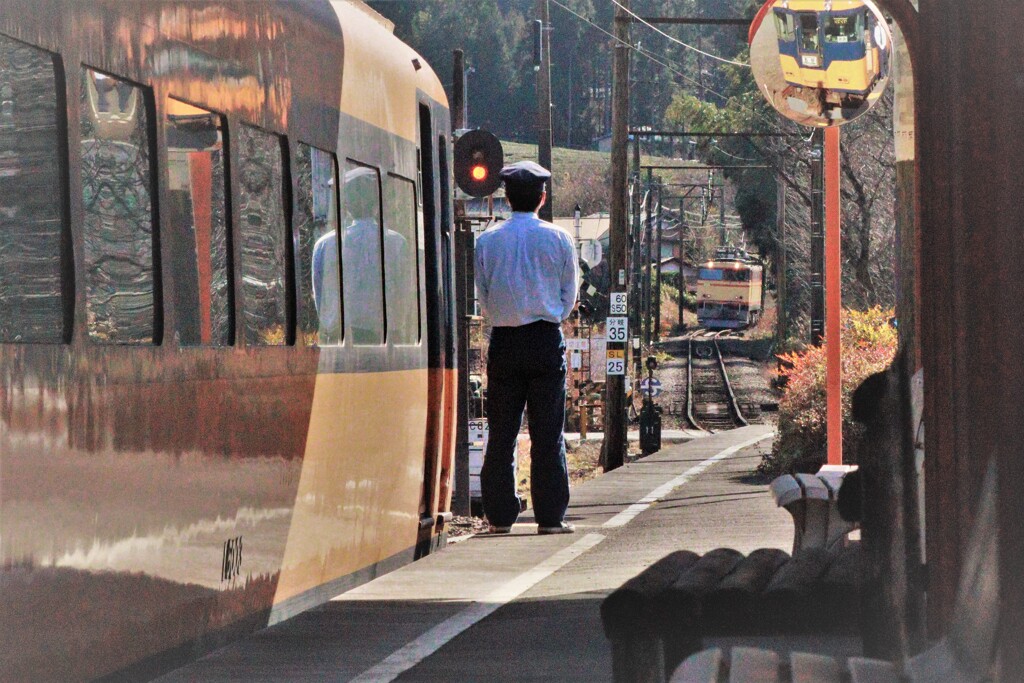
pixel 266 61
pixel 819 5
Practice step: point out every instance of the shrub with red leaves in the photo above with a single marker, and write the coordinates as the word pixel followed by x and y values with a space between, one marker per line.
pixel 868 346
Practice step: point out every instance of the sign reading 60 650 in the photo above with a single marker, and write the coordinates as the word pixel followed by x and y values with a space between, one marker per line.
pixel 617 329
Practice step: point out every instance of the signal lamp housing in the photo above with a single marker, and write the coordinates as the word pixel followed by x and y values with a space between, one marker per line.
pixel 478 161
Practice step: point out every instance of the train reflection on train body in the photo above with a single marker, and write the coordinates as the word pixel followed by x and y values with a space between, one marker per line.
pixel 226 345
pixel 730 291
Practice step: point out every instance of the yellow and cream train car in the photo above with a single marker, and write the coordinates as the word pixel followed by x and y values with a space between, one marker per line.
pixel 226 322
pixel 835 49
pixel 730 290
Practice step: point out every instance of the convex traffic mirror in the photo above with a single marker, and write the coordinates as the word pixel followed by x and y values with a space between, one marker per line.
pixel 820 62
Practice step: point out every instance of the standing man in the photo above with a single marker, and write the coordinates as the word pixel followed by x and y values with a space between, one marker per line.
pixel 527 281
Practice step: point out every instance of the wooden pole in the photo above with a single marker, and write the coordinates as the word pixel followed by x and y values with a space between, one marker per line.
pixel 833 298
pixel 781 282
pixel 613 453
pixel 817 241
pixel 544 105
pixel 657 260
pixel 461 504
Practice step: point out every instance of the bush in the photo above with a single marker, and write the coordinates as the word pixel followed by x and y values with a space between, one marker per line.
pixel 868 346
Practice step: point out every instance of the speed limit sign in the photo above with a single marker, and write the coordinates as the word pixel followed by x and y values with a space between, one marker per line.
pixel 617 306
pixel 616 362
pixel 617 329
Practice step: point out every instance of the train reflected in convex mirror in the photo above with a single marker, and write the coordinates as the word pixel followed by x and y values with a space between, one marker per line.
pixel 821 62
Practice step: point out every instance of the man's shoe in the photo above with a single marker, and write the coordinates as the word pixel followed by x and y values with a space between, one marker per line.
pixel 492 529
pixel 561 528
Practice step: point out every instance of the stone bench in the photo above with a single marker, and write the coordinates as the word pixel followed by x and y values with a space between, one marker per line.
pixel 965 655
pixel 812 500
pixel 660 617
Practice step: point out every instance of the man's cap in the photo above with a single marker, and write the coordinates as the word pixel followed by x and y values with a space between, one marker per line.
pixel 525 174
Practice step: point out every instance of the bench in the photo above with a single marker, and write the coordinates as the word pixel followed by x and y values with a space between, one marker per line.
pixel 966 654
pixel 660 617
pixel 812 500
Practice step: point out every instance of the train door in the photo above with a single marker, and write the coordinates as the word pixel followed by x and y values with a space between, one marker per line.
pixel 809 40
pixel 432 234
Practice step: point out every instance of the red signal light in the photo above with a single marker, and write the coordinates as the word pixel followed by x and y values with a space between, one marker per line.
pixel 478 162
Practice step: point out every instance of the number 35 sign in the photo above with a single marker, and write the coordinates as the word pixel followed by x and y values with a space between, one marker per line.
pixel 617 329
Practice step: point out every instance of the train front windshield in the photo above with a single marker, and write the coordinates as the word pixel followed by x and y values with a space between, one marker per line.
pixel 727 275
pixel 848 28
pixel 808 31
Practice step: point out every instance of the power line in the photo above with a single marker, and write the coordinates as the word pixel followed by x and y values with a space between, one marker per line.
pixel 671 66
pixel 676 40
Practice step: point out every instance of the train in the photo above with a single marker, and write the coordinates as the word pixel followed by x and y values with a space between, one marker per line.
pixel 833 53
pixel 227 345
pixel 730 290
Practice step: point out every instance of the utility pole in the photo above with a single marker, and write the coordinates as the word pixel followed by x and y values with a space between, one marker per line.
pixel 657 259
pixel 817 238
pixel 645 273
pixel 682 255
pixel 781 280
pixel 613 453
pixel 635 260
pixel 544 104
pixel 721 210
pixel 460 495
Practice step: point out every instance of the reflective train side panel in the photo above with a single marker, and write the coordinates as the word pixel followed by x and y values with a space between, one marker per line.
pixel 226 325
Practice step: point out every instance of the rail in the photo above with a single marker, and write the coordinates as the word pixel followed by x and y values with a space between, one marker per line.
pixel 733 404
pixel 689 384
pixel 723 387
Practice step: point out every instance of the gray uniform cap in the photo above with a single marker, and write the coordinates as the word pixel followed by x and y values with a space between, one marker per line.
pixel 525 174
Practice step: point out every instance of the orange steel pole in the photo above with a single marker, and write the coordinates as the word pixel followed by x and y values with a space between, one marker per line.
pixel 833 299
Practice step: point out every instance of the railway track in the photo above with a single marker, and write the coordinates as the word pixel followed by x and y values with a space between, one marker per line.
pixel 711 404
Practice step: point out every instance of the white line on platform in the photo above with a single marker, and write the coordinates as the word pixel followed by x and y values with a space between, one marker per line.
pixel 627 515
pixel 433 640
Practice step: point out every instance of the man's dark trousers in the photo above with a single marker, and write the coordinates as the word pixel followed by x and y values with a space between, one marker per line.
pixel 526 368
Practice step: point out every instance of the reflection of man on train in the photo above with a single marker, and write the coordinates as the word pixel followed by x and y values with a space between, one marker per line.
pixel 327 288
pixel 361 238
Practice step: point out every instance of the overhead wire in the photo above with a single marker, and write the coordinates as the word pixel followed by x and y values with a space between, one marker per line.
pixel 667 64
pixel 676 40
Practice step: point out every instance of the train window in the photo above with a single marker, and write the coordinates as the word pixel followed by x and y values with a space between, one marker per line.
pixel 33 234
pixel 710 274
pixel 808 31
pixel 402 255
pixel 121 273
pixel 200 246
pixel 361 254
pixel 785 24
pixel 263 237
pixel 319 251
pixel 844 28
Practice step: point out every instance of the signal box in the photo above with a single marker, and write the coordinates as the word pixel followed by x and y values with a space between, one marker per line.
pixel 478 161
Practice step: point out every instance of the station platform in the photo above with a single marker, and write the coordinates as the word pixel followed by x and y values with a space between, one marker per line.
pixel 522 607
